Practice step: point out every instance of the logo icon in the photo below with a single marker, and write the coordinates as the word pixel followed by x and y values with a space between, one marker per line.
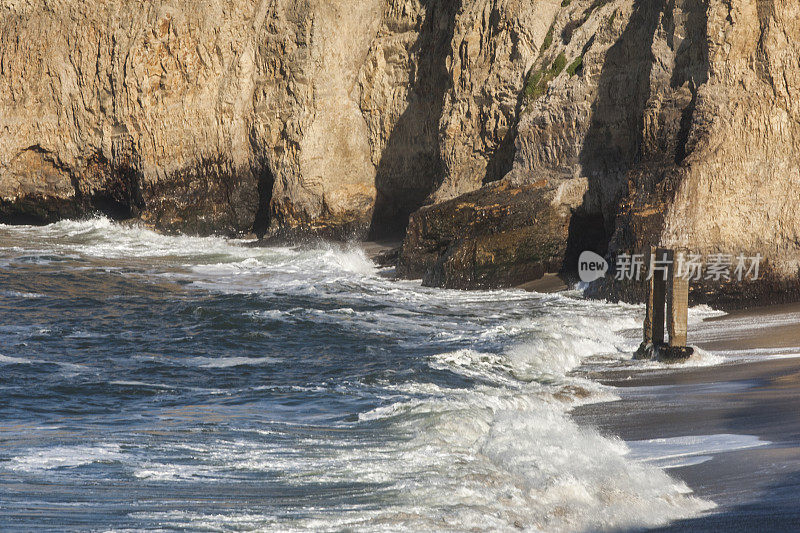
pixel 591 267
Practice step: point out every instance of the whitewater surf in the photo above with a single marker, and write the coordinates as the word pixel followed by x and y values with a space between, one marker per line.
pixel 149 381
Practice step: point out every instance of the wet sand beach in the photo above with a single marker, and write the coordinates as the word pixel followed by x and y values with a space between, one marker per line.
pixel 754 394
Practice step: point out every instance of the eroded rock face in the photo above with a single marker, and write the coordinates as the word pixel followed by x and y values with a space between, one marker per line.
pixel 403 84
pixel 494 44
pixel 578 129
pixel 224 113
pixel 294 116
pixel 124 102
pixel 498 236
pixel 739 184
pixel 732 181
pixel 676 122
pixel 316 137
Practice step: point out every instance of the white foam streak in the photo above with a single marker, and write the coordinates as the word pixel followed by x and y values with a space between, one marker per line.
pixel 691 449
pixel 64 457
pixel 227 362
pixel 6 360
pixel 24 295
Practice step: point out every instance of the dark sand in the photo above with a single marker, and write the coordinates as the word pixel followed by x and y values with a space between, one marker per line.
pixel 756 489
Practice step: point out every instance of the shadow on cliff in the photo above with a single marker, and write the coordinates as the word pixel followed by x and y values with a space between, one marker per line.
pixel 501 162
pixel 616 157
pixel 265 180
pixel 692 66
pixel 411 165
pixel 613 141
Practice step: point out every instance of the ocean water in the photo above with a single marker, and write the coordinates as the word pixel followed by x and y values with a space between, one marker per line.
pixel 167 383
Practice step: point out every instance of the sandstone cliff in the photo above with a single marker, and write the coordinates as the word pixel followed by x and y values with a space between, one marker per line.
pixel 661 122
pixel 128 107
pixel 307 116
pixel 513 133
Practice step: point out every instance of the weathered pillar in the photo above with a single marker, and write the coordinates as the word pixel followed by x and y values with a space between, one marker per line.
pixel 659 280
pixel 653 334
pixel 649 309
pixel 677 307
pixel 666 288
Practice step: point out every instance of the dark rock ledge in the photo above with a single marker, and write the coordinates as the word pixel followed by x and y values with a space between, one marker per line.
pixel 499 236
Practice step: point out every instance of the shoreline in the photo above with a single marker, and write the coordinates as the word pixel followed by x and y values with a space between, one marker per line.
pixel 751 395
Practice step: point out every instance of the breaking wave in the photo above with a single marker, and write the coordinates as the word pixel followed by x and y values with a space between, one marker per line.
pixel 308 390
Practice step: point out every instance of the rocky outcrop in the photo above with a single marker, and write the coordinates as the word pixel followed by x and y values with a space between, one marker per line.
pixel 498 236
pixel 316 138
pixel 130 108
pixel 738 184
pixel 578 115
pixel 719 166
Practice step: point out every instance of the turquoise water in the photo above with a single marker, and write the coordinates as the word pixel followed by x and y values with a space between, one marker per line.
pixel 171 383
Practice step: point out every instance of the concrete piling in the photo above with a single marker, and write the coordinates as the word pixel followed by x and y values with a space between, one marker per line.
pixel 659 288
pixel 656 299
pixel 649 304
pixel 678 311
pixel 667 290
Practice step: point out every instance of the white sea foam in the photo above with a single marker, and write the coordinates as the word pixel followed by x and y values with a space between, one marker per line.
pixel 514 455
pixel 702 312
pixel 700 358
pixel 68 368
pixel 37 460
pixel 176 472
pixel 100 237
pixel 17 294
pixel 246 521
pixel 484 459
pixel 6 360
pixel 227 362
pixel 142 384
pixel 689 450
pixel 499 455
